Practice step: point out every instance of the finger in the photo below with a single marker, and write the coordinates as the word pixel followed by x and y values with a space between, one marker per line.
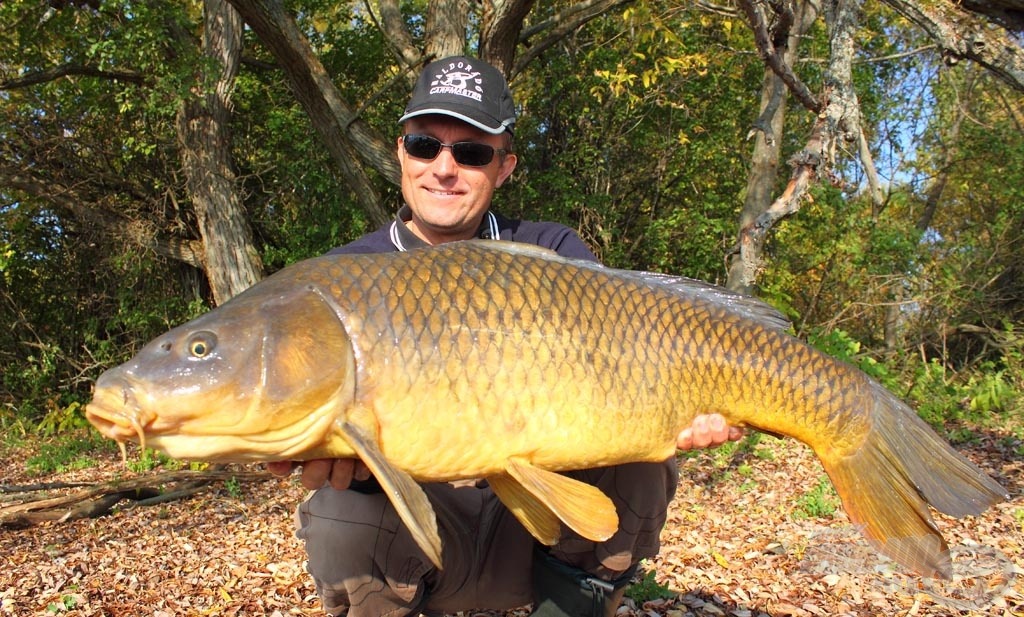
pixel 718 429
pixel 701 432
pixel 736 433
pixel 280 469
pixel 685 439
pixel 342 472
pixel 315 473
pixel 362 472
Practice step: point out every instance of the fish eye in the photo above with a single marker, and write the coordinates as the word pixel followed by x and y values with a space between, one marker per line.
pixel 201 344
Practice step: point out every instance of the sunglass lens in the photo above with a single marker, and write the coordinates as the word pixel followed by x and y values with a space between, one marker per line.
pixel 472 154
pixel 422 146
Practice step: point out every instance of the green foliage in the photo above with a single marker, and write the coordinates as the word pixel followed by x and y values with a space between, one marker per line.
pixel 68 602
pixel 981 398
pixel 819 502
pixel 63 420
pixel 622 142
pixel 647 589
pixel 66 453
pixel 839 344
pixel 233 487
pixel 149 460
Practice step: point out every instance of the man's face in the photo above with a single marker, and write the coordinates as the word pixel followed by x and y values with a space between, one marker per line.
pixel 448 200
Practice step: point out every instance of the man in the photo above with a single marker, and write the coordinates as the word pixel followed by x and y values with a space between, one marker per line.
pixel 455 150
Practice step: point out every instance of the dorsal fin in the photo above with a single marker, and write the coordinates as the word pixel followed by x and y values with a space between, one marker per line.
pixel 692 289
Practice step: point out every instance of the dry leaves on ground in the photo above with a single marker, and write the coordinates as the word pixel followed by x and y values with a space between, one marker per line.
pixel 734 547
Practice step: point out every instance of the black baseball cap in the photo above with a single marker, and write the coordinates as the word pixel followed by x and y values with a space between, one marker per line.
pixel 465 88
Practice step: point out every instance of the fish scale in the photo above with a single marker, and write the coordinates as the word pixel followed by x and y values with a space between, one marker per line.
pixel 505 362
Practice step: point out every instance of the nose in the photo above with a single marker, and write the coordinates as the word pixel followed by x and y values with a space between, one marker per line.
pixel 444 164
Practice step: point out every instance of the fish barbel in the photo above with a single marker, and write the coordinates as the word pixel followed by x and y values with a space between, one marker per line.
pixel 505 362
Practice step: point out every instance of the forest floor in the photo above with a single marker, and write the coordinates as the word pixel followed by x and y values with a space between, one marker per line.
pixel 753 532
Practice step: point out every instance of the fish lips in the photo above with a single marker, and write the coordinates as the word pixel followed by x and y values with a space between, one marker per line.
pixel 114 410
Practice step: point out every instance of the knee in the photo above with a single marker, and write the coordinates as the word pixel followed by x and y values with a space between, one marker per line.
pixel 342 531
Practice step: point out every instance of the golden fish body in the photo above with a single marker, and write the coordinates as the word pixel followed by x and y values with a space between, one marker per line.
pixel 505 362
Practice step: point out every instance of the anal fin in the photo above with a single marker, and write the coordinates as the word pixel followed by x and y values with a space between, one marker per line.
pixel 406 495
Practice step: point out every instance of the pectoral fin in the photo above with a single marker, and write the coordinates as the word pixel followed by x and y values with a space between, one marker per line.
pixel 406 495
pixel 542 495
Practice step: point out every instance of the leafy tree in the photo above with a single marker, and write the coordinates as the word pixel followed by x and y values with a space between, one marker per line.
pixel 125 125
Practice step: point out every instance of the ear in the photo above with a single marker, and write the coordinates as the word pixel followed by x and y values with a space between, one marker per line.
pixel 508 165
pixel 399 151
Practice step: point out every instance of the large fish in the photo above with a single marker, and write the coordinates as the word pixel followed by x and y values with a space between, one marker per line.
pixel 501 361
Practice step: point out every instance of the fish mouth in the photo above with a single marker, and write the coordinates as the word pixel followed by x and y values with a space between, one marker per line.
pixel 116 414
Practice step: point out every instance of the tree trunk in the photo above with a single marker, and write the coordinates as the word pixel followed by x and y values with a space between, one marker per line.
pixel 764 167
pixel 229 257
pixel 447 21
pixel 499 32
pixel 933 196
pixel 347 138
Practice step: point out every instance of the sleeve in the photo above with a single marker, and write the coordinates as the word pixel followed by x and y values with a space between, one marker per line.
pixel 572 246
pixel 555 236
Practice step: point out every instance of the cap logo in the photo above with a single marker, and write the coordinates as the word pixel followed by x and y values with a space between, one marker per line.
pixel 458 78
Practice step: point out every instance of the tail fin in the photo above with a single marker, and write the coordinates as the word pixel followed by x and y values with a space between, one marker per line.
pixel 887 484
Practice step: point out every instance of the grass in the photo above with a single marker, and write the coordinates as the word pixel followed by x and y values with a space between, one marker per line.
pixel 67 453
pixel 819 502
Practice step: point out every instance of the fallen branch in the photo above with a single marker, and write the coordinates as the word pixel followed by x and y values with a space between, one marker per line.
pixel 36 505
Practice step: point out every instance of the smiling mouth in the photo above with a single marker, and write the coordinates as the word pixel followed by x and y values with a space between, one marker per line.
pixel 441 193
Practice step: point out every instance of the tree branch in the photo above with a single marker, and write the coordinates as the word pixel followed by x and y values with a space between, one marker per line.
pixel 67 70
pixel 961 35
pixel 92 501
pixel 503 21
pixel 773 53
pixel 557 26
pixel 392 24
pixel 348 139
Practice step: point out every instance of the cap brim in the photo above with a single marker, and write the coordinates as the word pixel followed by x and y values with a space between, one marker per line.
pixel 483 126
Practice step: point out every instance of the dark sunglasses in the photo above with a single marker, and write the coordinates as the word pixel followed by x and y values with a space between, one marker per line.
pixel 468 153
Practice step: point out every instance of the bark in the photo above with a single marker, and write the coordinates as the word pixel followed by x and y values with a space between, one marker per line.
pixel 392 24
pixel 837 124
pixel 767 134
pixel 962 35
pixel 1008 13
pixel 772 45
pixel 447 21
pixel 502 23
pixel 230 259
pixel 348 139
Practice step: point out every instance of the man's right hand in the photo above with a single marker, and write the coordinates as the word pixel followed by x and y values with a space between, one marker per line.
pixel 336 472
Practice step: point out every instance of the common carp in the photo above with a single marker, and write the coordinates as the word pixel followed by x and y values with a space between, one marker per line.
pixel 505 362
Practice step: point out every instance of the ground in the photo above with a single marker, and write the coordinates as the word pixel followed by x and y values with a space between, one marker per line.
pixel 750 534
